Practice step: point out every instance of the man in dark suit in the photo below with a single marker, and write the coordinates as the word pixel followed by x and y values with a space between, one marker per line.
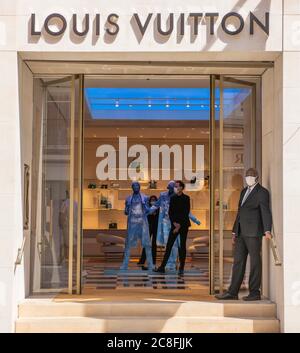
pixel 179 211
pixel 253 221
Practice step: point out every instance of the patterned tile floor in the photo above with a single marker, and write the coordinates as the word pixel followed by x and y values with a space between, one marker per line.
pixel 100 275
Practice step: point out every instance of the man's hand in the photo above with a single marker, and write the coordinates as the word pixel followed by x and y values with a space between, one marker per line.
pixel 233 238
pixel 177 227
pixel 268 235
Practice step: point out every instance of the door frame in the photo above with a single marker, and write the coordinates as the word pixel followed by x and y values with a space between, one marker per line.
pixel 36 237
pixel 221 79
pixel 80 170
pixel 73 173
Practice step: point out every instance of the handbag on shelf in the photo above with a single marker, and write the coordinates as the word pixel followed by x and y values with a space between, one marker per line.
pixel 113 225
pixel 152 184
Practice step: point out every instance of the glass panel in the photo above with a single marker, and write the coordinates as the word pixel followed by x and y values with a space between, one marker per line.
pixel 54 108
pixel 78 176
pixel 74 271
pixel 236 151
pixel 214 183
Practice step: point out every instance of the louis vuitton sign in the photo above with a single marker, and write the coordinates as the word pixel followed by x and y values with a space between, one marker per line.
pixel 180 24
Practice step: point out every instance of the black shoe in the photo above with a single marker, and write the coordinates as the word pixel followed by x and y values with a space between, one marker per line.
pixel 144 268
pixel 252 297
pixel 180 272
pixel 226 296
pixel 160 270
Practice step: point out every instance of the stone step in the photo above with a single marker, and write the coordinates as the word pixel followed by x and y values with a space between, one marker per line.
pixel 121 324
pixel 167 309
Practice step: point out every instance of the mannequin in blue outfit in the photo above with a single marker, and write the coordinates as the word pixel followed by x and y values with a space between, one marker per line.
pixel 137 209
pixel 164 224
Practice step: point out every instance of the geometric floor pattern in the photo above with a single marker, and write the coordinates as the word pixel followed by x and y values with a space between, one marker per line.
pixel 113 278
pixel 109 276
pixel 102 275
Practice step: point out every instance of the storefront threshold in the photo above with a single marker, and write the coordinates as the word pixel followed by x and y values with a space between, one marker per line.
pixel 140 294
pixel 98 314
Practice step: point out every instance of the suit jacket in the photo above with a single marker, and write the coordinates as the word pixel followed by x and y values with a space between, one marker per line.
pixel 254 217
pixel 179 210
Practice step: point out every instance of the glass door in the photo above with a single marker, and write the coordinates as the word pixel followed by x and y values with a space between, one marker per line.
pixel 228 123
pixel 56 238
pixel 233 150
pixel 153 130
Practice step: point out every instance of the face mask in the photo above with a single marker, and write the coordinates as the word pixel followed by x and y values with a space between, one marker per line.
pixel 152 203
pixel 176 190
pixel 250 180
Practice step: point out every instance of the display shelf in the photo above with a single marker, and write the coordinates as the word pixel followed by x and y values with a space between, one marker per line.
pixel 158 189
pixel 122 209
pixel 97 216
pixel 124 189
pixel 103 209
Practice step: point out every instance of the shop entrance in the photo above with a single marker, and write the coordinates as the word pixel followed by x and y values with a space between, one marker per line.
pixel 95 135
pixel 152 130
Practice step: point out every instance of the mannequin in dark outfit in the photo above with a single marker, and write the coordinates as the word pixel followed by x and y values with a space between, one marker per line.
pixel 153 223
pixel 179 212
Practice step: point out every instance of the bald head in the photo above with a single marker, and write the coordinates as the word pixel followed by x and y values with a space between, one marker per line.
pixel 252 172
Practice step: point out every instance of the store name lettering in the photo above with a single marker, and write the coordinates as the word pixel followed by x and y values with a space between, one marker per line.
pixel 231 24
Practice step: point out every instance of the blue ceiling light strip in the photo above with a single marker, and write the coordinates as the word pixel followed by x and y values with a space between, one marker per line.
pixel 158 103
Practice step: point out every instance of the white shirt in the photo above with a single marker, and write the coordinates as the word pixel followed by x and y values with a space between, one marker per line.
pixel 248 192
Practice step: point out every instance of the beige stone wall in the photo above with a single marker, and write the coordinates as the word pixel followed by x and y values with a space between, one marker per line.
pixel 10 189
pixel 15 16
pixel 272 179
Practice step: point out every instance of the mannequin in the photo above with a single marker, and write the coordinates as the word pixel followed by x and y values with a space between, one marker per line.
pixel 164 224
pixel 153 224
pixel 137 209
